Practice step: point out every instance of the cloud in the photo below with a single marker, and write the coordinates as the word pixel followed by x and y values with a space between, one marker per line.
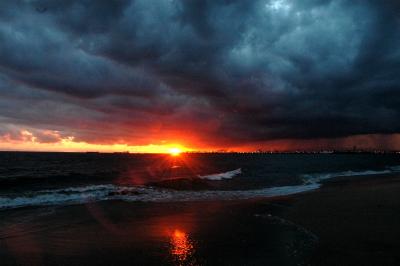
pixel 218 72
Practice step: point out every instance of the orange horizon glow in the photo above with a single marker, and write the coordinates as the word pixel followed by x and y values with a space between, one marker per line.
pixel 69 144
pixel 27 141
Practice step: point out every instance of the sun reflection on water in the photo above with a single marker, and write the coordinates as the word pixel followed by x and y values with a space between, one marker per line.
pixel 182 247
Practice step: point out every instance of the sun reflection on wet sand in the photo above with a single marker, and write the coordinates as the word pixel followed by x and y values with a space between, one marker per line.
pixel 182 247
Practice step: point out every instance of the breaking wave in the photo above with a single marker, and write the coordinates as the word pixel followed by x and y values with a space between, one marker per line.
pixel 221 176
pixel 86 194
pixel 315 178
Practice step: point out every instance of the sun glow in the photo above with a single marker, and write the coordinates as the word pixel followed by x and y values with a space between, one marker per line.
pixel 175 151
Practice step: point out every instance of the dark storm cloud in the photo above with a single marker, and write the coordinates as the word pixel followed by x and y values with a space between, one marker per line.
pixel 226 71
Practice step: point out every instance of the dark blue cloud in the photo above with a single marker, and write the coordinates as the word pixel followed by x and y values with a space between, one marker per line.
pixel 251 70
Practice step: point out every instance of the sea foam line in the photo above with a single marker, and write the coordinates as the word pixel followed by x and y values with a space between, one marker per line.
pixel 89 194
pixel 317 177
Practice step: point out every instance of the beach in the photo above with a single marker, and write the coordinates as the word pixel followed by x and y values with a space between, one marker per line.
pixel 348 221
pixel 356 221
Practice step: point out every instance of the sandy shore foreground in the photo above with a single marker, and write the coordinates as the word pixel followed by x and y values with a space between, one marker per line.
pixel 346 222
pixel 357 221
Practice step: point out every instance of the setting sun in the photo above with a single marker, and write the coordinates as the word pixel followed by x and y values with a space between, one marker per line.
pixel 175 151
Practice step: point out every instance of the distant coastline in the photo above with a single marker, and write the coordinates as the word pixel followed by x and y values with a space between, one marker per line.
pixel 226 152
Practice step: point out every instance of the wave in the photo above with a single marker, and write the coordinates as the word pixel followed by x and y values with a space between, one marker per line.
pixel 395 168
pixel 105 192
pixel 317 177
pixel 221 176
pixel 87 194
pixel 197 182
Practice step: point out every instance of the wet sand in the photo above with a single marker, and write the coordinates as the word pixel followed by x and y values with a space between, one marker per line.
pixel 346 222
pixel 114 233
pixel 356 220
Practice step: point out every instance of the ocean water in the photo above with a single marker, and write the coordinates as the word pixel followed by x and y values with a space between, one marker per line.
pixel 43 179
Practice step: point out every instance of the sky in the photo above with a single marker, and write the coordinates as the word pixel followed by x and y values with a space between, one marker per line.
pixel 148 75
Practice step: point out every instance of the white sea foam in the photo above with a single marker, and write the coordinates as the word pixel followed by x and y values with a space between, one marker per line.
pixel 86 194
pixel 317 177
pixel 395 168
pixel 221 176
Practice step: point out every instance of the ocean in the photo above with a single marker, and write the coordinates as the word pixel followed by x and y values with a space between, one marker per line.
pixel 57 179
